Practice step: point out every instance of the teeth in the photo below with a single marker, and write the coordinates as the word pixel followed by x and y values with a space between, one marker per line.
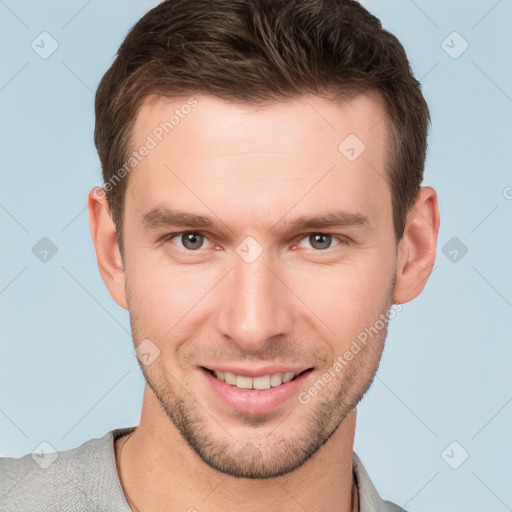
pixel 263 382
pixel 229 378
pixel 288 376
pixel 276 379
pixel 243 382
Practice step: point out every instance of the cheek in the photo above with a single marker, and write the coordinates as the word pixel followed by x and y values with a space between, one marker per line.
pixel 165 299
pixel 347 298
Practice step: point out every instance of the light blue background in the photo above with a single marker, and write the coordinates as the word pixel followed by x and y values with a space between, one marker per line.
pixel 67 369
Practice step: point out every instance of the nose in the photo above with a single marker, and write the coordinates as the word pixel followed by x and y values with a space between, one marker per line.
pixel 256 304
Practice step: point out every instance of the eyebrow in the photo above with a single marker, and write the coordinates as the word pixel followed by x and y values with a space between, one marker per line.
pixel 329 220
pixel 164 217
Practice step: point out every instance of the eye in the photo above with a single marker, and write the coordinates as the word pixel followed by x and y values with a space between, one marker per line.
pixel 320 241
pixel 192 241
pixel 189 240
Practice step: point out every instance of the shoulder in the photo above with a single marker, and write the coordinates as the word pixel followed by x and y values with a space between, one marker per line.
pixel 369 498
pixel 80 479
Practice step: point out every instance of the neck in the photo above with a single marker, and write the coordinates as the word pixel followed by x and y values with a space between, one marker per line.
pixel 159 471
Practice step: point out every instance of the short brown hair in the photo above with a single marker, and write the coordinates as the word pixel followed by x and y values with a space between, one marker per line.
pixel 263 51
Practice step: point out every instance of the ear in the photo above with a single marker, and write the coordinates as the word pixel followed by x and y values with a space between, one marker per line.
pixel 417 249
pixel 104 237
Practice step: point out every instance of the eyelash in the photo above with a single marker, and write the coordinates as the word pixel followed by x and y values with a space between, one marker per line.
pixel 342 240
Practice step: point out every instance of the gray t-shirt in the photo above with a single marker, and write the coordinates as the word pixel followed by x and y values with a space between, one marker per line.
pixel 85 479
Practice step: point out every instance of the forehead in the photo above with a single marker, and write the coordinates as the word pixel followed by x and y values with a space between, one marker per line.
pixel 213 154
pixel 213 118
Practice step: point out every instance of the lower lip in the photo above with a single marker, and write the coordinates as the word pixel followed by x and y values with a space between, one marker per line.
pixel 255 401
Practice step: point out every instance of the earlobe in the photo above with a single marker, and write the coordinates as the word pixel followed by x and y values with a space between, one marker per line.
pixel 104 237
pixel 417 249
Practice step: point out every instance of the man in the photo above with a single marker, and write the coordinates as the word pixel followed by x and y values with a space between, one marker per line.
pixel 262 211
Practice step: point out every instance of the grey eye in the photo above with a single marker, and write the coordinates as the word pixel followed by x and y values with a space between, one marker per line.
pixel 320 241
pixel 192 241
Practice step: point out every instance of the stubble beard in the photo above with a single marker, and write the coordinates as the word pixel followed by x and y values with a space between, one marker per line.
pixel 267 452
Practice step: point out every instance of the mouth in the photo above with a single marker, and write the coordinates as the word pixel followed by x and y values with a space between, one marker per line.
pixel 256 391
pixel 261 382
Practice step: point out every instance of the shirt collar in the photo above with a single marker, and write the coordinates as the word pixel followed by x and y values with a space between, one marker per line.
pixel 369 498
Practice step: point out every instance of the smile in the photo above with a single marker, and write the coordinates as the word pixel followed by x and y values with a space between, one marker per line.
pixel 262 382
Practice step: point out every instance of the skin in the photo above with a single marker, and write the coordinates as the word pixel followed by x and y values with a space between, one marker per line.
pixel 254 170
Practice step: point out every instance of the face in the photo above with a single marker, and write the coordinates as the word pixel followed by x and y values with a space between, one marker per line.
pixel 257 248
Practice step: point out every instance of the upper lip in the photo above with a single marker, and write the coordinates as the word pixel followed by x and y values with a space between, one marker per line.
pixel 257 371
